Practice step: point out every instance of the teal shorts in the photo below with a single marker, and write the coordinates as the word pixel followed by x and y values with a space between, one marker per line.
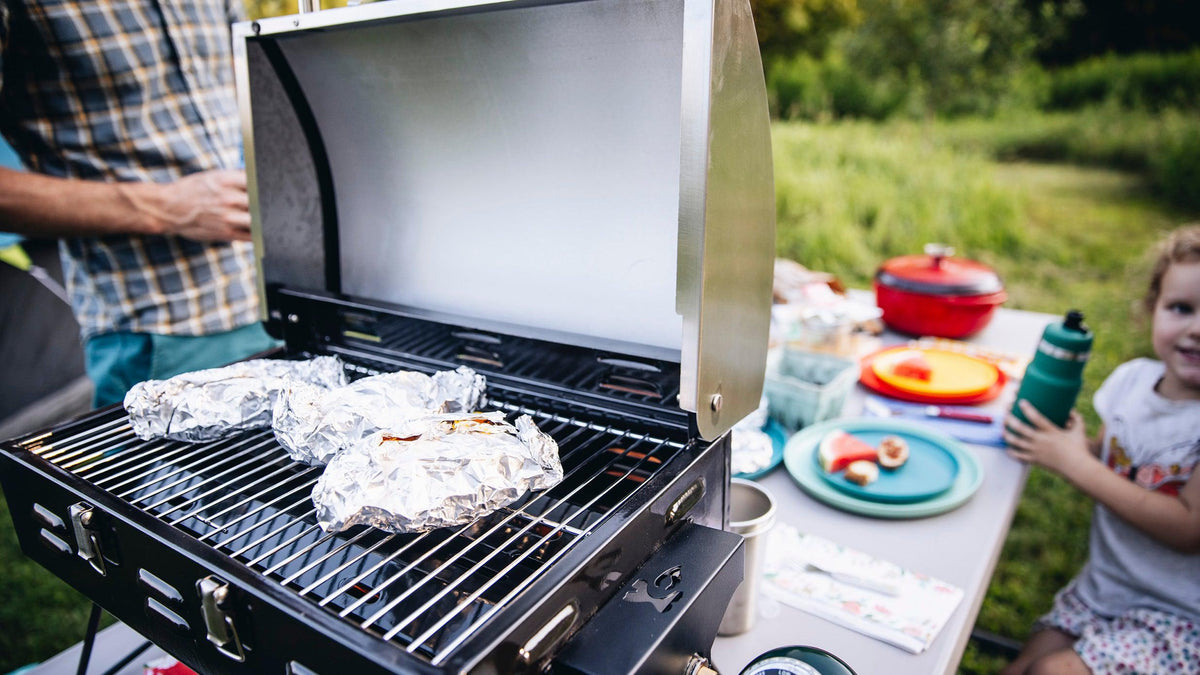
pixel 117 361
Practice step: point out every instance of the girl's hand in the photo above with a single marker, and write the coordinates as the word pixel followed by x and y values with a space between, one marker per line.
pixel 1043 443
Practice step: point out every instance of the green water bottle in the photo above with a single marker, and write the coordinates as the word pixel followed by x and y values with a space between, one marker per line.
pixel 1054 377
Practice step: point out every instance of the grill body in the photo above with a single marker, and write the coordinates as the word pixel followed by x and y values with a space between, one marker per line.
pixel 506 593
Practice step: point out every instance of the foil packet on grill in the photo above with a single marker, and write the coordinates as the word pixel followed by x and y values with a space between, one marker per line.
pixel 313 424
pixel 436 472
pixel 751 448
pixel 207 405
pixel 752 451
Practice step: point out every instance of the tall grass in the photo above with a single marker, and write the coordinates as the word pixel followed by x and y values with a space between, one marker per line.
pixel 1135 112
pixel 1164 146
pixel 804 87
pixel 1138 81
pixel 848 196
pixel 852 195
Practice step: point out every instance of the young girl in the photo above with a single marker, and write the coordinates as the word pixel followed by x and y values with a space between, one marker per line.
pixel 1135 605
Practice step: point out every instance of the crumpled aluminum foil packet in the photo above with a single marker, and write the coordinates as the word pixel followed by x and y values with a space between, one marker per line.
pixel 313 424
pixel 751 448
pixel 752 451
pixel 207 405
pixel 436 472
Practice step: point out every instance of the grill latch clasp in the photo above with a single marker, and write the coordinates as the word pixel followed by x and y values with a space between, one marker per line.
pixel 87 537
pixel 214 597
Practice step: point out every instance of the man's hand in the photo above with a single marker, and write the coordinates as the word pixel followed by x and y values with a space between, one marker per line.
pixel 1043 443
pixel 204 206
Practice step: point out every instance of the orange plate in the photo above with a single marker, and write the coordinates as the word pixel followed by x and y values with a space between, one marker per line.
pixel 870 381
pixel 953 374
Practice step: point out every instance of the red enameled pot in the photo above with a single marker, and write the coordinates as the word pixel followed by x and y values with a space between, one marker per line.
pixel 936 294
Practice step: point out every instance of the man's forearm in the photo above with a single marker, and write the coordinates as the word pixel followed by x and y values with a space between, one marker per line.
pixel 34 204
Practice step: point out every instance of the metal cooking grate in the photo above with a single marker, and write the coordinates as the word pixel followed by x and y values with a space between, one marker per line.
pixel 427 592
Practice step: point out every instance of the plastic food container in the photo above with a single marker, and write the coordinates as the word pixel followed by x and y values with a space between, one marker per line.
pixel 936 294
pixel 803 388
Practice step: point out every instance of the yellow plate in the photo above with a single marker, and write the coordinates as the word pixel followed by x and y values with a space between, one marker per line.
pixel 951 374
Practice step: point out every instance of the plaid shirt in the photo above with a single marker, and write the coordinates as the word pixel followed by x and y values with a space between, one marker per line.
pixel 134 90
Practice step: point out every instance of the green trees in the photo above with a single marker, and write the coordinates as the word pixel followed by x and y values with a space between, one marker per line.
pixel 920 56
pixel 789 27
pixel 953 56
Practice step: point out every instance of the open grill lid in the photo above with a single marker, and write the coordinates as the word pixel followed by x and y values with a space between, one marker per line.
pixel 597 171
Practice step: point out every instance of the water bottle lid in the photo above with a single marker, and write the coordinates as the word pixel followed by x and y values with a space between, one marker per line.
pixel 1071 335
pixel 1074 321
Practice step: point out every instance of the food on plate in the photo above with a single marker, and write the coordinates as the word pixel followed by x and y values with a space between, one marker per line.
pixel 862 472
pixel 916 367
pixel 893 452
pixel 838 449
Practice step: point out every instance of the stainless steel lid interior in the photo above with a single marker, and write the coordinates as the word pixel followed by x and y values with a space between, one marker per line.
pixel 598 171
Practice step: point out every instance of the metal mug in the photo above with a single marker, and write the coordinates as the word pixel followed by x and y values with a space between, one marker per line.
pixel 751 514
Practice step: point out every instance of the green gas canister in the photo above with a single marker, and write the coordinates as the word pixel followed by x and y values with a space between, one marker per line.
pixel 1055 375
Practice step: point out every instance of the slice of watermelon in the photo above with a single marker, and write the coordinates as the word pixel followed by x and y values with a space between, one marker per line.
pixel 915 367
pixel 839 448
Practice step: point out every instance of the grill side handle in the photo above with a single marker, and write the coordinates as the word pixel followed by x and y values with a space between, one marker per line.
pixel 666 614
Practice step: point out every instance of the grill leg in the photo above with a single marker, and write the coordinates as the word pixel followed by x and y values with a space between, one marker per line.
pixel 89 639
pixel 130 657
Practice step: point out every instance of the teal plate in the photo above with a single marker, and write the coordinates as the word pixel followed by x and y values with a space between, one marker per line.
pixel 798 458
pixel 929 471
pixel 778 438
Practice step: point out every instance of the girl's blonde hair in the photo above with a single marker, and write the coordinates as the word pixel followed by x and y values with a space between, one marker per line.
pixel 1182 245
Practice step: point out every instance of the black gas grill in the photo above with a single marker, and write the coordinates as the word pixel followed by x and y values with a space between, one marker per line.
pixel 212 550
pixel 244 501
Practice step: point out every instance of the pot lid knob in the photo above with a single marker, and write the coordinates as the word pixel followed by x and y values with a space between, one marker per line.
pixel 937 252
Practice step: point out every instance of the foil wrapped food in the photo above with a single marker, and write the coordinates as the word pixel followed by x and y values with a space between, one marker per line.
pixel 752 451
pixel 210 404
pixel 435 472
pixel 751 448
pixel 313 423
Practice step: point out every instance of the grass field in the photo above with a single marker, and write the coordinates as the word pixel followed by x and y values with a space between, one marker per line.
pixel 849 196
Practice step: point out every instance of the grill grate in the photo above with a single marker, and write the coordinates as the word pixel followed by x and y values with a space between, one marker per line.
pixel 426 592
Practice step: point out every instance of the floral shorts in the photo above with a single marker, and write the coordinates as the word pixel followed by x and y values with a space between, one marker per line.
pixel 1140 641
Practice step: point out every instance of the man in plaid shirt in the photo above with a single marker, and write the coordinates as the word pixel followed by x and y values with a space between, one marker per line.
pixel 125 113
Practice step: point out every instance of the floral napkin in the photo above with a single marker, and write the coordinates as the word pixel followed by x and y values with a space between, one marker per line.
pixel 910 620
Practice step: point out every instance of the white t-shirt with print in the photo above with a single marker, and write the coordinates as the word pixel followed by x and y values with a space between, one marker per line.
pixel 1154 442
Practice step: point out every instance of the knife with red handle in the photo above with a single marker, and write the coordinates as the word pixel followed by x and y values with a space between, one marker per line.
pixel 881 409
pixel 945 413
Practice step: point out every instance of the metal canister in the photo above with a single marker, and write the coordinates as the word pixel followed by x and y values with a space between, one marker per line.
pixel 751 514
pixel 1055 375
